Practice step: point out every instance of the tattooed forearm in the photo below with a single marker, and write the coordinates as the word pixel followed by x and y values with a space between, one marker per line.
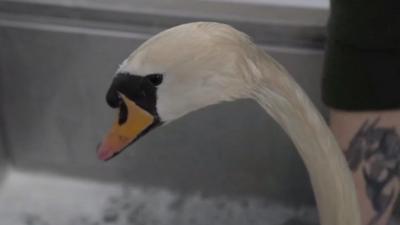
pixel 376 152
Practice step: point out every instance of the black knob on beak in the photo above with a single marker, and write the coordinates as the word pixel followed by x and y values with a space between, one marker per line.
pixel 113 99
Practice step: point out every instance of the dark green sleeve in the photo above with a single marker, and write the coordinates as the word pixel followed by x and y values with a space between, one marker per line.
pixel 362 62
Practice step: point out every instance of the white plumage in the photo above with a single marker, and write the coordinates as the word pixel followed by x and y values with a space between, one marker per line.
pixel 207 63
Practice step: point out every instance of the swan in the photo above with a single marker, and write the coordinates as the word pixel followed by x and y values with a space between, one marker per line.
pixel 194 65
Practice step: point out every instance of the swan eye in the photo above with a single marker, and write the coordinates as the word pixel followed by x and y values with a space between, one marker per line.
pixel 156 79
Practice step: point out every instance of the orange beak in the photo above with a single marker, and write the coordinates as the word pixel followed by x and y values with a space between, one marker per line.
pixel 121 135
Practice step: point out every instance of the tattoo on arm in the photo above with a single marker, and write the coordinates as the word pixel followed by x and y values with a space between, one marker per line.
pixel 376 151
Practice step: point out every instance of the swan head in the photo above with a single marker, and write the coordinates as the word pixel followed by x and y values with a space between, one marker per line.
pixel 178 71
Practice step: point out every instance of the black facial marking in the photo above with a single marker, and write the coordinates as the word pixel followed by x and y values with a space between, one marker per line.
pixel 139 89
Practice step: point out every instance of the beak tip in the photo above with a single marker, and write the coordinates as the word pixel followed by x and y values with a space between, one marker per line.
pixel 103 153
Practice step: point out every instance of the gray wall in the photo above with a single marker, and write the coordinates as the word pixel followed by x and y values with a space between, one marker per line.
pixel 3 156
pixel 55 71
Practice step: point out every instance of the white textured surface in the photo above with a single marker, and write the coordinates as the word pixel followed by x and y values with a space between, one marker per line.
pixel 33 199
pixel 41 200
pixel 37 199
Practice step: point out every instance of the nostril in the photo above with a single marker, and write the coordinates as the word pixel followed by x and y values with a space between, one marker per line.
pixel 123 113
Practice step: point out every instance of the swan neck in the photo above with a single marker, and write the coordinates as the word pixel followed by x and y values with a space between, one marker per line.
pixel 330 176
